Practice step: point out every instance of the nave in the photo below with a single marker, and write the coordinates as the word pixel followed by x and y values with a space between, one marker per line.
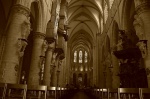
pixel 52 47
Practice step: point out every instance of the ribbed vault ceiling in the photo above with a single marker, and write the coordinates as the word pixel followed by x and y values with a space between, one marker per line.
pixel 84 23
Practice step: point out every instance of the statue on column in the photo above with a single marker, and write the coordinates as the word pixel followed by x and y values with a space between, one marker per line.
pixel 53 59
pixel 142 44
pixel 22 41
pixel 59 63
pixel 138 25
pixel 124 42
pixel 44 48
pixel 25 28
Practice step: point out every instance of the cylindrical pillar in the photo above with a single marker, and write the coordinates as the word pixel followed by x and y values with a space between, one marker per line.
pixel 115 71
pixel 34 73
pixel 17 31
pixel 53 70
pixel 54 77
pixel 47 75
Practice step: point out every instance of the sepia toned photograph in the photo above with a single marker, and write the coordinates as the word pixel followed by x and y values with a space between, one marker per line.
pixel 74 49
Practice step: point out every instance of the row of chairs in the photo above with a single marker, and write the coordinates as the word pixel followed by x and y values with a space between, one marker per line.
pixel 30 91
pixel 122 93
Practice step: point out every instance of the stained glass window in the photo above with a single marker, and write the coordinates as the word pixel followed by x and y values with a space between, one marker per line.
pixel 85 60
pixel 80 56
pixel 75 56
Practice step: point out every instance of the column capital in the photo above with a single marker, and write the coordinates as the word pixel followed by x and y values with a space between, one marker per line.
pixel 39 35
pixel 21 9
pixel 143 7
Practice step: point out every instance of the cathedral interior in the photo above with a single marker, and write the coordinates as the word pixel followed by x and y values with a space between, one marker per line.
pixel 75 47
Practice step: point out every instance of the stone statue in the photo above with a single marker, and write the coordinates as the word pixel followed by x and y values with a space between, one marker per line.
pixel 124 42
pixel 138 25
pixel 143 47
pixel 53 59
pixel 21 45
pixel 44 47
pixel 25 28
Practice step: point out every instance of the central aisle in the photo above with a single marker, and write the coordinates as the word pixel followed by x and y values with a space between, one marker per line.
pixel 80 95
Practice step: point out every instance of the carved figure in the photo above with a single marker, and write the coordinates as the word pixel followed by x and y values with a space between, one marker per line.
pixel 54 58
pixel 25 28
pixel 143 48
pixel 138 25
pixel 44 47
pixel 21 45
pixel 124 42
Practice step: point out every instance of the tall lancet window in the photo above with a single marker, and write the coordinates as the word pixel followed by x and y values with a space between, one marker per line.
pixel 80 56
pixel 86 55
pixel 75 56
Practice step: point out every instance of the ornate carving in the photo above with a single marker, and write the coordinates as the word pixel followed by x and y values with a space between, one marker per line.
pixel 21 45
pixel 25 28
pixel 59 51
pixel 53 59
pixel 21 9
pixel 138 25
pixel 142 44
pixel 124 42
pixel 59 64
pixel 63 33
pixel 44 47
pixel 42 64
pixel 16 67
pixel 142 7
pixel 39 35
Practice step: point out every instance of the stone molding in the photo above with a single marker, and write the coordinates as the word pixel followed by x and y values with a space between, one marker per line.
pixel 143 7
pixel 21 9
pixel 39 35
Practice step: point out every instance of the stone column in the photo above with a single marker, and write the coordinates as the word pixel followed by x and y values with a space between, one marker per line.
pixel 47 68
pixel 18 29
pixel 62 75
pixel 54 77
pixel 94 66
pixel 115 71
pixel 59 71
pixel 34 73
pixel 53 70
pixel 143 13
